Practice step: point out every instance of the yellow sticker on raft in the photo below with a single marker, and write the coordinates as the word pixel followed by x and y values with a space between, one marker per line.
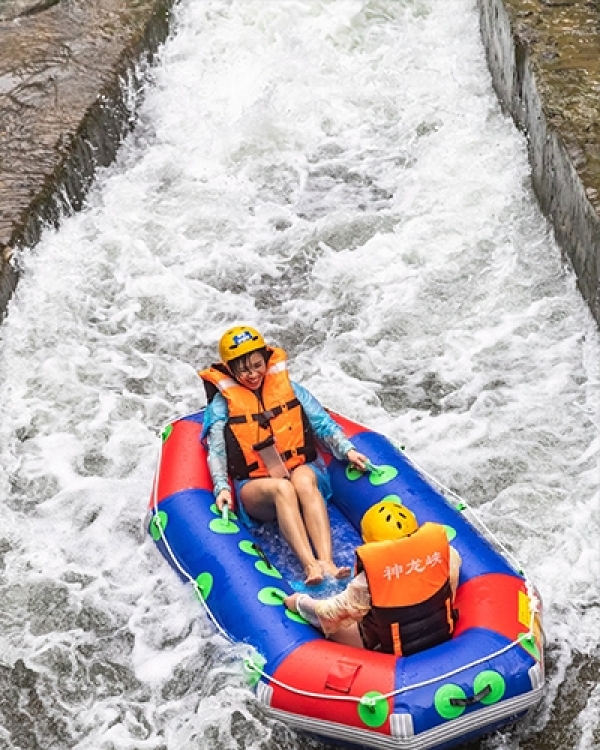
pixel 524 613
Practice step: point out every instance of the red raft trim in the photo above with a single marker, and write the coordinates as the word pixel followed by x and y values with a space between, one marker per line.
pixel 183 464
pixel 332 669
pixel 495 601
pixel 349 427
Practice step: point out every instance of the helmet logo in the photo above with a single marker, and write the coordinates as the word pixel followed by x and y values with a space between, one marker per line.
pixel 240 338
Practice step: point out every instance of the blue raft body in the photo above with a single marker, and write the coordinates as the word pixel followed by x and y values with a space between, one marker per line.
pixel 489 674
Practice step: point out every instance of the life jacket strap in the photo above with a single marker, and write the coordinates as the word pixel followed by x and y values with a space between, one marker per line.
pixel 264 417
pixel 302 451
pixel 451 615
pixel 396 639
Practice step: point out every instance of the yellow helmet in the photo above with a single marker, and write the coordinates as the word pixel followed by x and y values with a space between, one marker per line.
pixel 387 520
pixel 238 341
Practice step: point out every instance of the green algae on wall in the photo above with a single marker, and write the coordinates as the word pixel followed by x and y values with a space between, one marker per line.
pixel 544 59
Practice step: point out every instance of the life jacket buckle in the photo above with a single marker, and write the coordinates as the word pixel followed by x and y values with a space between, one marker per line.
pixel 264 418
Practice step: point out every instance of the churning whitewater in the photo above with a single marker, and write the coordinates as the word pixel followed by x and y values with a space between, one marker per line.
pixel 339 174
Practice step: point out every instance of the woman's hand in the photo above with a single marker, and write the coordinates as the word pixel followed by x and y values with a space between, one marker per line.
pixel 357 460
pixel 291 602
pixel 222 498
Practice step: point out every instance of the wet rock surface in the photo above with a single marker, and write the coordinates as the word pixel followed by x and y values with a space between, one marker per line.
pixel 564 49
pixel 67 72
pixel 544 56
pixel 65 66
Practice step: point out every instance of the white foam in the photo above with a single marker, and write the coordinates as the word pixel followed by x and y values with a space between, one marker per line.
pixel 339 174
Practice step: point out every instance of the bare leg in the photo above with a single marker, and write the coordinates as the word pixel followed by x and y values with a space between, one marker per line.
pixel 267 499
pixel 455 562
pixel 316 520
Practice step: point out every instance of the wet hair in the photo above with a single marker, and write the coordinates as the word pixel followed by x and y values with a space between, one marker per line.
pixel 241 363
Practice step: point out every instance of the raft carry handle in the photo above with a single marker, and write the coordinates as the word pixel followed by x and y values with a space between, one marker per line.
pixel 462 702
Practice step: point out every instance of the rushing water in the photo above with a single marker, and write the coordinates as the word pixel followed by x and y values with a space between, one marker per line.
pixel 339 174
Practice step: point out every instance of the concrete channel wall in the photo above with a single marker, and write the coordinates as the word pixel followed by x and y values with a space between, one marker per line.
pixel 69 72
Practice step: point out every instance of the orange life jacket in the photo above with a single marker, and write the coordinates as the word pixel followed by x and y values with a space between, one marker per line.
pixel 411 598
pixel 274 411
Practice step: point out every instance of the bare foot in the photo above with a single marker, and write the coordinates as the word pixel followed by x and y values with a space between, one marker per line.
pixel 314 574
pixel 329 568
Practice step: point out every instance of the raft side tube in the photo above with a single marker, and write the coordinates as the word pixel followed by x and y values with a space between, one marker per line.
pixel 355 493
pixel 329 679
pixel 478 667
pixel 242 589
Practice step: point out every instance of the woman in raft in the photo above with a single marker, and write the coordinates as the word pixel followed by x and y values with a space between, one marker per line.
pixel 261 429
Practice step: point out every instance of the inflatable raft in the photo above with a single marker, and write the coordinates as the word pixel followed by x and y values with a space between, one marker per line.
pixel 490 674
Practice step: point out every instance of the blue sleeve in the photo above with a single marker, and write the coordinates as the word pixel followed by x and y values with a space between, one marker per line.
pixel 324 426
pixel 215 419
pixel 216 411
